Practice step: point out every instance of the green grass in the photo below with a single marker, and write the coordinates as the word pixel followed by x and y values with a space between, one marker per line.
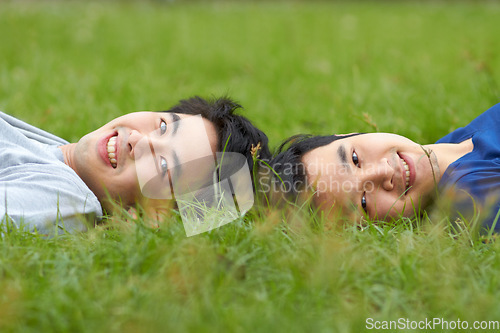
pixel 419 69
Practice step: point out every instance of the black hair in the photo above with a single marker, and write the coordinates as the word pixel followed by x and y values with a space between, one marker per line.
pixel 288 170
pixel 235 133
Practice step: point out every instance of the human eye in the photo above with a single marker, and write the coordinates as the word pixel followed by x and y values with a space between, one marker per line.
pixel 355 158
pixel 363 202
pixel 163 166
pixel 163 127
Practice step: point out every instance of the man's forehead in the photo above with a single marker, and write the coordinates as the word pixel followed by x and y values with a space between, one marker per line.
pixel 317 156
pixel 195 138
pixel 332 188
pixel 191 124
pixel 326 159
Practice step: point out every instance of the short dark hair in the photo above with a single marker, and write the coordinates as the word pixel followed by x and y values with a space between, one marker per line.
pixel 289 173
pixel 235 133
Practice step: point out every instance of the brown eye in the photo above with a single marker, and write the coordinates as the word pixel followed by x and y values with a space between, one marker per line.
pixel 355 158
pixel 363 202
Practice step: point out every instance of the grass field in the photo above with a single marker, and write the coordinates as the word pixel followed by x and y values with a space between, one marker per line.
pixel 419 69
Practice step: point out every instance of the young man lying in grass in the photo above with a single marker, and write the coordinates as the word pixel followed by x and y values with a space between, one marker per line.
pixel 383 176
pixel 47 183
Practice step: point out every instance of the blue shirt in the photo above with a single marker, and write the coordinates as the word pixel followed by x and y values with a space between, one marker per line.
pixel 473 181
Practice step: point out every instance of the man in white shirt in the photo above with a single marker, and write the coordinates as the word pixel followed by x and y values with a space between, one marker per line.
pixel 48 184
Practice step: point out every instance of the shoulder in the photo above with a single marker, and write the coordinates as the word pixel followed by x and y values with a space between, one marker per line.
pixel 42 197
pixel 40 181
pixel 472 191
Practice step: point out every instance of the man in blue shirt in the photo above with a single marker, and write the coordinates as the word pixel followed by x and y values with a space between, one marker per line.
pixel 384 176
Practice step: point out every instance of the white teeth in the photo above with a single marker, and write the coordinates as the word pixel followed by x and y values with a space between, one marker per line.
pixel 111 147
pixel 407 174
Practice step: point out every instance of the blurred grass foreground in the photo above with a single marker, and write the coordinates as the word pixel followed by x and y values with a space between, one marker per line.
pixel 419 69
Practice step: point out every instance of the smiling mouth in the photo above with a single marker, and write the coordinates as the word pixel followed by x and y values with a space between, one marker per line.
pixel 111 148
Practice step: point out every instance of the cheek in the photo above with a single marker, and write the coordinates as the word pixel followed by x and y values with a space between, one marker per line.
pixel 400 209
pixel 128 182
pixel 387 207
pixel 124 186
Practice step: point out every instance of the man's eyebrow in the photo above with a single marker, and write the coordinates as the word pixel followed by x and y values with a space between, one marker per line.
pixel 342 154
pixel 350 206
pixel 175 122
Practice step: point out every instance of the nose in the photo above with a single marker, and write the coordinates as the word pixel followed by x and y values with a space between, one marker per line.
pixel 379 175
pixel 140 144
pixel 133 138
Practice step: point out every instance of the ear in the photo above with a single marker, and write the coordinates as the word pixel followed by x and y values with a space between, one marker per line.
pixel 132 212
pixel 151 217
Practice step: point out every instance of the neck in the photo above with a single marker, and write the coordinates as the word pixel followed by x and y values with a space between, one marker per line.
pixel 447 153
pixel 68 153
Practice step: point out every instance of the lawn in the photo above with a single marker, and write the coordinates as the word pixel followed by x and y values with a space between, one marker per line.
pixel 419 69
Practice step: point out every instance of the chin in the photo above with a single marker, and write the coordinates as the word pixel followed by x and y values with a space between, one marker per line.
pixel 112 206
